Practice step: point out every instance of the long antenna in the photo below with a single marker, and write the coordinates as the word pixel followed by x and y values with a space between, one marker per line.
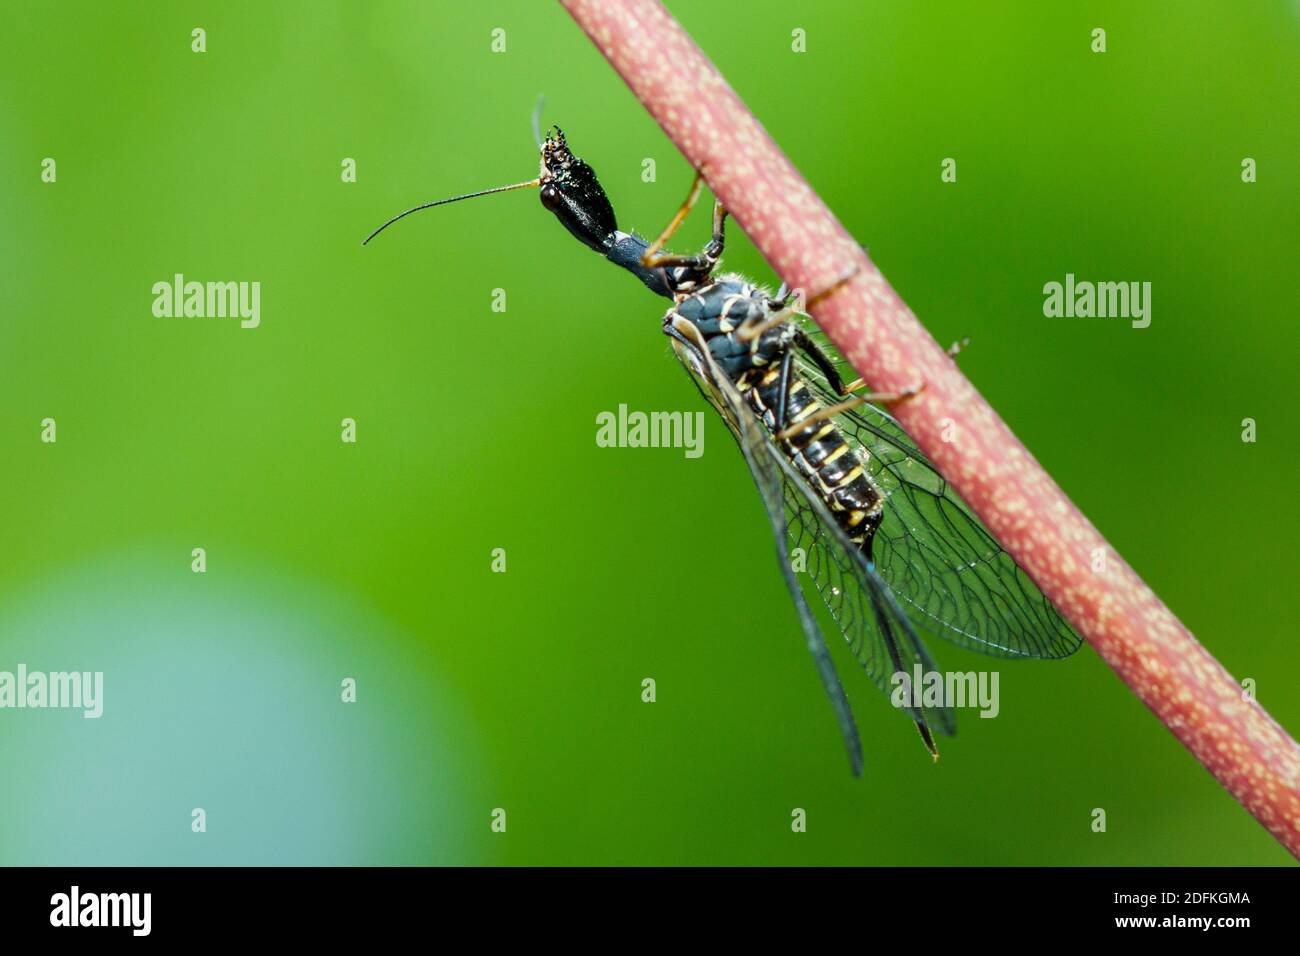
pixel 443 202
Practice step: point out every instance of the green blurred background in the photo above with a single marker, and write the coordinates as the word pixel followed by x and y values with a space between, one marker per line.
pixel 476 431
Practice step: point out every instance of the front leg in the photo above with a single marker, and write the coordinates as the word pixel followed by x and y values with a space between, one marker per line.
pixel 651 258
pixel 702 262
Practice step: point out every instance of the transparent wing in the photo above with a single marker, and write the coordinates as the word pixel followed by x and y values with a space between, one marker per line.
pixel 877 630
pixel 942 565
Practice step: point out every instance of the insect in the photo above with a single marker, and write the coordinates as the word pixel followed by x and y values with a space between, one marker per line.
pixel 887 544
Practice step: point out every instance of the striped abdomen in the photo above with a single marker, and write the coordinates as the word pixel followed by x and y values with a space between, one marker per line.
pixel 833 467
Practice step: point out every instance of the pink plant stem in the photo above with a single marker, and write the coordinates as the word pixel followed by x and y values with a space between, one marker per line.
pixel 1123 620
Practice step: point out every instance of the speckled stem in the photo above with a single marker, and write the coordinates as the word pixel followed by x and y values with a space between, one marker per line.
pixel 1123 620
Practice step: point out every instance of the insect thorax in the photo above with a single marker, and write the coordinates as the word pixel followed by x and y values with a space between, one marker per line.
pixel 832 466
pixel 719 309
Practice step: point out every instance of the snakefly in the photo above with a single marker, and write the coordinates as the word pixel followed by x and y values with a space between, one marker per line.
pixel 887 544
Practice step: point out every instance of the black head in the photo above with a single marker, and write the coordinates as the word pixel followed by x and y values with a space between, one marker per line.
pixel 571 190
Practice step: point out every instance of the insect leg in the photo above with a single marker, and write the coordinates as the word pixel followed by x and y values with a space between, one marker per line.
pixel 823 362
pixel 831 289
pixel 876 398
pixel 750 330
pixel 716 244
pixel 704 261
pixel 651 258
pixel 828 369
pixel 701 262
pixel 952 350
pixel 781 308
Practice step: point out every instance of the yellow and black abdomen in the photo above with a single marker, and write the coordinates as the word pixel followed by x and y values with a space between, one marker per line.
pixel 831 465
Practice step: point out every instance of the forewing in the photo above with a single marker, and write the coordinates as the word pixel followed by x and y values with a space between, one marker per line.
pixel 719 393
pixel 876 629
pixel 946 570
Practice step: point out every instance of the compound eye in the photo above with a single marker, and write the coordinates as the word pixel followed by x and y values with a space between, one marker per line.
pixel 551 198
